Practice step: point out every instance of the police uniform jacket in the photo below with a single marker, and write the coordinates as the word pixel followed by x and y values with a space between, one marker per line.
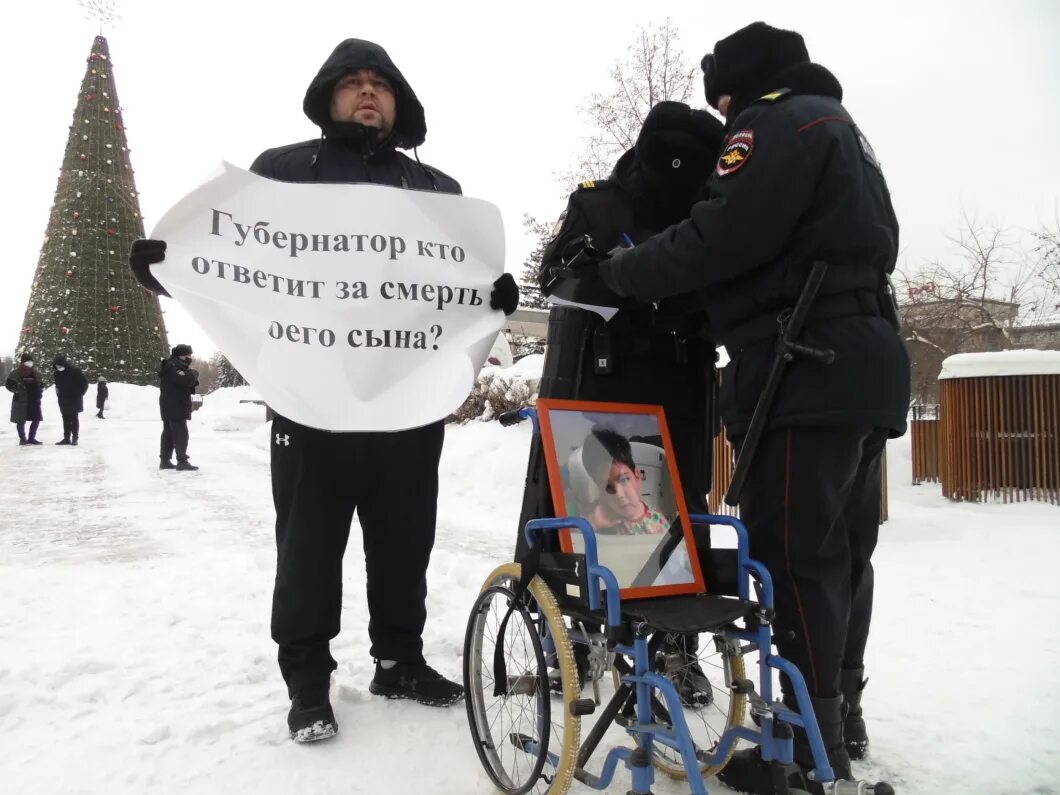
pixel 795 183
pixel 657 354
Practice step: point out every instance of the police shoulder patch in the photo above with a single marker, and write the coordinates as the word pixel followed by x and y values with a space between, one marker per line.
pixel 556 227
pixel 738 149
pixel 773 96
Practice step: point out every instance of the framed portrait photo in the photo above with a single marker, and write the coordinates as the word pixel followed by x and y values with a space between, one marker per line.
pixel 613 464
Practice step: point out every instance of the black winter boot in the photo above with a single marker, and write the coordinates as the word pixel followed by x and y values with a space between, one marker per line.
pixel 829 712
pixel 855 737
pixel 65 440
pixel 747 772
pixel 311 718
pixel 186 466
pixel 165 463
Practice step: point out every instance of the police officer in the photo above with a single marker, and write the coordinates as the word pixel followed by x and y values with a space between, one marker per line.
pixel 644 354
pixel 796 182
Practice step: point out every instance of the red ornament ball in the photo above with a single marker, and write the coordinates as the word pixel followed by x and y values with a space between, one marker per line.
pixel 69 274
pixel 76 215
pixel 114 310
pixel 64 329
pixel 84 156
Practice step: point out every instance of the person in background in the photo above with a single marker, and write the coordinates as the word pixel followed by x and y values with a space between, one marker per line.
pixel 178 382
pixel 24 384
pixel 102 393
pixel 70 388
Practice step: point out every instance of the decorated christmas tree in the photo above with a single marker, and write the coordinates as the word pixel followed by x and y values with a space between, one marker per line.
pixel 84 301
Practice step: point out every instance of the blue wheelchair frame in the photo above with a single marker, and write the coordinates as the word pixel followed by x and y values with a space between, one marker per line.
pixel 772 735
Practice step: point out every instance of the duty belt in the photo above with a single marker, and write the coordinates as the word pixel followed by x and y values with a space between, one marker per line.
pixel 824 307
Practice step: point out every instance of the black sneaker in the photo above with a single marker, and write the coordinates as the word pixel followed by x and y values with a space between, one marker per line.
pixel 417 681
pixel 34 441
pixel 166 464
pixel 186 466
pixel 311 718
pixel 64 441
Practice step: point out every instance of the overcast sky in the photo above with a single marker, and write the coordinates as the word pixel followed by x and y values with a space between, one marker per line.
pixel 958 99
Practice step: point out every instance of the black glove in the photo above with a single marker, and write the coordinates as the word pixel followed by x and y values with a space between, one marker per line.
pixel 578 278
pixel 505 294
pixel 142 256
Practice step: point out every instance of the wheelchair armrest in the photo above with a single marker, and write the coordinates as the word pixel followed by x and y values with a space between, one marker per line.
pixel 600 578
pixel 747 567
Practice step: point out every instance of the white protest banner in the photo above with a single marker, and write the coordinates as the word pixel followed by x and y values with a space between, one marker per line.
pixel 347 307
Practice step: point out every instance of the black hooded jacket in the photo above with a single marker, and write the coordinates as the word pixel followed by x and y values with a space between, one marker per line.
pixel 70 386
pixel 797 182
pixel 660 355
pixel 348 151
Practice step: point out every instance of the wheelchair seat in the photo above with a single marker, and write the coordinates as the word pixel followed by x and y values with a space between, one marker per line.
pixel 687 615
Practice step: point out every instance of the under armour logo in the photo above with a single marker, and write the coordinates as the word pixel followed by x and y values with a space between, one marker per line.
pixel 284 439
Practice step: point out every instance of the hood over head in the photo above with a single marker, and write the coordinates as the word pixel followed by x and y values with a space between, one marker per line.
pixel 410 126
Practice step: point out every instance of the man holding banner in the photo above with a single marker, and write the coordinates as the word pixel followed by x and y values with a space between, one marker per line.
pixel 366 111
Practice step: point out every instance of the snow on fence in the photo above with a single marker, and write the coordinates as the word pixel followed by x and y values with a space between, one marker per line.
pixel 1000 426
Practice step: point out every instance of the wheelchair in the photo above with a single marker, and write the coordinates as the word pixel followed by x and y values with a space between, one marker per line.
pixel 525 701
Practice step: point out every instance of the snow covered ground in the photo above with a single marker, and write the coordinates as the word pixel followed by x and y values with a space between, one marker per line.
pixel 134 624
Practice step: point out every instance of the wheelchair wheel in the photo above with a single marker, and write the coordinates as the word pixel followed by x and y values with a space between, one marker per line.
pixel 526 739
pixel 708 711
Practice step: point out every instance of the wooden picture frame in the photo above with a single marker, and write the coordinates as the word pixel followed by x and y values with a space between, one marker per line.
pixel 614 465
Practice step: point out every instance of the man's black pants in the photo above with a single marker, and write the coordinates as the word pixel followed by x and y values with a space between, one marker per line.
pixel 174 437
pixel 71 425
pixel 812 507
pixel 318 480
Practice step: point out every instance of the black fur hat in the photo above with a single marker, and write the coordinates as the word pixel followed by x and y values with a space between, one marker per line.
pixel 181 350
pixel 748 58
pixel 25 358
pixel 676 137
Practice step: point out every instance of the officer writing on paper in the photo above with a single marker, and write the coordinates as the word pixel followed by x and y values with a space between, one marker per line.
pixel 796 183
pixel 366 111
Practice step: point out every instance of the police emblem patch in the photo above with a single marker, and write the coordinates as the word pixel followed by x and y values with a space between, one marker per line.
pixel 866 149
pixel 737 151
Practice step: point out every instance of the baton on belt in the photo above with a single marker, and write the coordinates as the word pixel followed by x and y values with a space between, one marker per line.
pixel 789 324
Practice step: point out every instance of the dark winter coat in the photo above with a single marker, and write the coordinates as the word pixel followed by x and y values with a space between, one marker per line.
pixel 25 386
pixel 797 182
pixel 660 355
pixel 178 382
pixel 348 151
pixel 70 386
pixel 102 393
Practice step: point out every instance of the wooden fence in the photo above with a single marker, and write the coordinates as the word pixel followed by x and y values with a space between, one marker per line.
pixel 1000 438
pixel 925 443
